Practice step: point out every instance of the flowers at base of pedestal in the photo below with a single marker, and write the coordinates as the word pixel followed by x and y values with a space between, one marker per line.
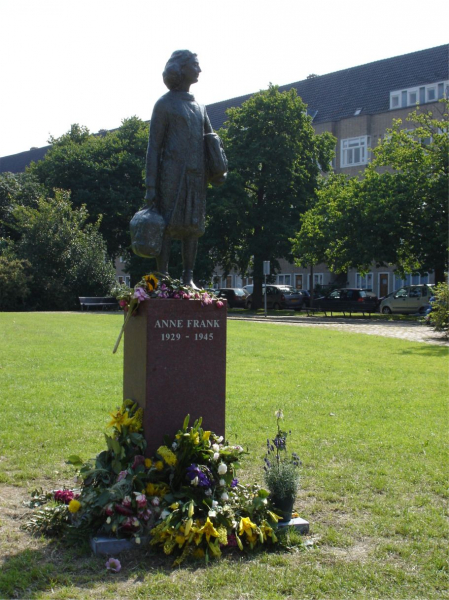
pixel 186 498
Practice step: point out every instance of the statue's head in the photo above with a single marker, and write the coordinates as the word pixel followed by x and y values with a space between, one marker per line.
pixel 182 67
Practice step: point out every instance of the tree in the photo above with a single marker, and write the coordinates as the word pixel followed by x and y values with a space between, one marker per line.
pixel 66 254
pixel 396 214
pixel 14 282
pixel 103 172
pixel 16 189
pixel 274 164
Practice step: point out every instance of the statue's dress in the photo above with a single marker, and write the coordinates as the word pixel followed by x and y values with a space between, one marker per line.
pixel 176 165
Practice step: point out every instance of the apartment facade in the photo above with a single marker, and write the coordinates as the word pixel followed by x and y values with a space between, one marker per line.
pixel 358 106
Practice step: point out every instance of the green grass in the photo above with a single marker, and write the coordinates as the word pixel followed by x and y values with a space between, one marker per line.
pixel 368 418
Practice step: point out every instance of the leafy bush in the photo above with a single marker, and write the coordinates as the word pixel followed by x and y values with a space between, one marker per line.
pixel 14 282
pixel 439 316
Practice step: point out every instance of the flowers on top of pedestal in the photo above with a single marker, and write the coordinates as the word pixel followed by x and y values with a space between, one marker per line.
pixel 150 286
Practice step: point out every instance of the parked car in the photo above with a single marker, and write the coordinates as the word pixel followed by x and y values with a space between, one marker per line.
pixel 281 296
pixel 236 297
pixel 409 299
pixel 347 300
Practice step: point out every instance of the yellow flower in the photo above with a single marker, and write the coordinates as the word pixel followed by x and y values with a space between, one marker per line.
pixel 208 529
pixel 119 419
pixel 74 506
pixel 195 438
pixel 167 455
pixel 148 462
pixel 151 282
pixel 159 465
pixel 155 489
pixel 247 526
pixel 174 506
pixel 136 422
pixel 206 436
pixel 267 532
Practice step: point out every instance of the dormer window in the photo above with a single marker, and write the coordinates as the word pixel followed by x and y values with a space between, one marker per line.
pixel 418 95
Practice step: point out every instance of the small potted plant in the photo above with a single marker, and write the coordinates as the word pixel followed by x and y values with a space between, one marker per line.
pixel 281 472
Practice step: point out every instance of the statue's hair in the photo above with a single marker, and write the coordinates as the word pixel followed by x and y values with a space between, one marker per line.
pixel 172 74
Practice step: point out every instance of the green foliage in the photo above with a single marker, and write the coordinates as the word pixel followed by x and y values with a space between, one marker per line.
pixel 274 158
pixel 14 282
pixel 103 172
pixel 396 214
pixel 16 189
pixel 67 255
pixel 439 317
pixel 281 470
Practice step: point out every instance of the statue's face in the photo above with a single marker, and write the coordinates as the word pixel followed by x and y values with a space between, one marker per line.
pixel 191 70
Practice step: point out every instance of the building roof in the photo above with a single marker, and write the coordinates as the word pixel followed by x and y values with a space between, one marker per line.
pixel 337 95
pixel 329 97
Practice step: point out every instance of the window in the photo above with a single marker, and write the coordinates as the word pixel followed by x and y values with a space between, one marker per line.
pixel 364 282
pixel 354 151
pixel 317 280
pixel 284 279
pixel 418 95
pixel 410 280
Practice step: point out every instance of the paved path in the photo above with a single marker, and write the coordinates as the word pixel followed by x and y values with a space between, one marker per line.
pixel 405 330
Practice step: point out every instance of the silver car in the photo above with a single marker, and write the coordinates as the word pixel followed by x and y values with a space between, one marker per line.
pixel 409 299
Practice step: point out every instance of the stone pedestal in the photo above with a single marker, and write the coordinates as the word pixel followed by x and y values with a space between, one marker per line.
pixel 175 364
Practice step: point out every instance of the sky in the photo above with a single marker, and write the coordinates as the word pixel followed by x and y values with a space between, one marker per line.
pixel 97 62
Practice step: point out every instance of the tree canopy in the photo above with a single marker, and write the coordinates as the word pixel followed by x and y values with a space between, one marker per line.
pixel 57 255
pixel 396 214
pixel 274 164
pixel 103 172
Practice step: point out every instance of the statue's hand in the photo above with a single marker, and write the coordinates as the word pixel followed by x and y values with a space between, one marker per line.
pixel 150 196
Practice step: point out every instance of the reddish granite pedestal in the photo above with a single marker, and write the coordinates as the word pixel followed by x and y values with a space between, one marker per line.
pixel 175 364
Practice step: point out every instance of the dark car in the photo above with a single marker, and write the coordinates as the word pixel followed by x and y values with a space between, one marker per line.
pixel 282 296
pixel 349 300
pixel 236 297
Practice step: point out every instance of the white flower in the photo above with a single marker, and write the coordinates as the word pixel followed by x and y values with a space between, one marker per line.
pixel 212 513
pixel 174 446
pixel 214 504
pixel 137 540
pixel 216 448
pixel 194 481
pixel 220 439
pixel 216 455
pixel 222 482
pixel 222 469
pixel 208 492
pixel 224 496
pixel 164 514
pixel 155 502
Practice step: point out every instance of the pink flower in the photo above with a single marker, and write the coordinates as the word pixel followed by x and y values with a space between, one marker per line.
pixel 219 304
pixel 109 510
pixel 64 496
pixel 113 564
pixel 140 294
pixel 122 303
pixel 121 475
pixel 138 460
pixel 141 500
pixel 127 502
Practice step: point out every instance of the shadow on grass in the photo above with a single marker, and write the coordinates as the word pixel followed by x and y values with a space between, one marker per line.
pixel 56 565
pixel 426 350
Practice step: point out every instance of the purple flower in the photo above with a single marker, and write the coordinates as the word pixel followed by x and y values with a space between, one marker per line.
pixel 194 473
pixel 234 483
pixel 140 294
pixel 113 564
pixel 64 496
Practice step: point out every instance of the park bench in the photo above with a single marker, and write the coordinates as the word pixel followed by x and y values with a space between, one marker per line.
pixel 102 303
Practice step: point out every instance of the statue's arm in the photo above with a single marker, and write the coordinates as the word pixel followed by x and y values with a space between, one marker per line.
pixel 207 125
pixel 158 126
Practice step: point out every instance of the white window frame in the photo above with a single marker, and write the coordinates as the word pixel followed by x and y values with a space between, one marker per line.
pixel 362 281
pixel 284 279
pixel 349 146
pixel 396 95
pixel 318 279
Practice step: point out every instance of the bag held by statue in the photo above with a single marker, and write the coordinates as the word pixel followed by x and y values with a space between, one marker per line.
pixel 217 163
pixel 147 230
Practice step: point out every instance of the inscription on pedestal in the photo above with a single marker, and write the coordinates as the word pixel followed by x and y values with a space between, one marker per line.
pixel 175 364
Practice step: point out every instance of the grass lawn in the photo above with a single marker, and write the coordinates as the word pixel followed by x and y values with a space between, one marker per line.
pixel 368 417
